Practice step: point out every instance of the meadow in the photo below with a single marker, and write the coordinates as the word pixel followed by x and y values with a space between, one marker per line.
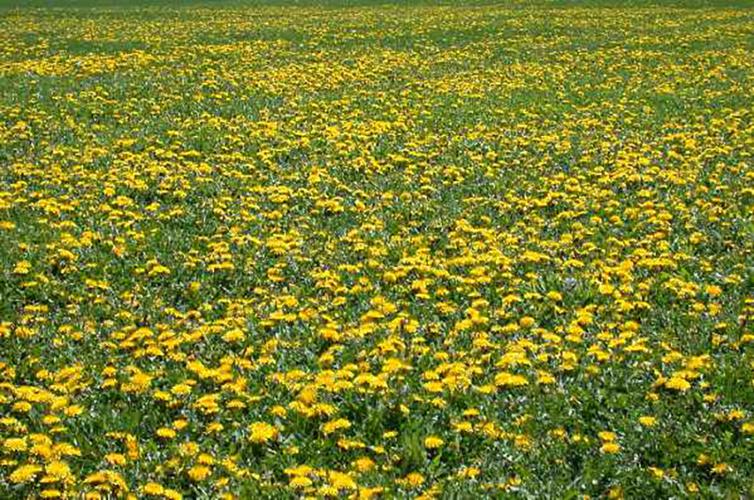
pixel 344 249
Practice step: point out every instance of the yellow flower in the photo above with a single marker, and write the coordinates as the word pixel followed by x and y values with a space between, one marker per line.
pixel 335 425
pixel 15 444
pixel 647 421
pixel 22 267
pixel 678 384
pixel 180 389
pixel 364 464
pixel 721 468
pixel 527 322
pixel 463 426
pixel 607 436
pixel 369 493
pixel 469 472
pixel 414 480
pixel 610 447
pixel 152 489
pixel 432 442
pixel 657 472
pixel 199 473
pixel 188 449
pixel 214 427
pixel 22 407
pixel 300 482
pixel 158 270
pixel 138 383
pixel 172 494
pixel 58 470
pixel 505 379
pixel 278 411
pixel 544 378
pixel 341 481
pixel 262 432
pixel 235 335
pixel 165 433
pixel 180 424
pixel 73 411
pixel 24 473
pixel 115 459
pixel 736 414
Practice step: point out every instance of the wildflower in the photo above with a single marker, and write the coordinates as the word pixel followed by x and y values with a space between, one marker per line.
pixel 610 448
pixel 607 436
pixel 505 379
pixel 262 432
pixel 527 322
pixel 57 470
pixel 199 473
pixel 158 270
pixel 15 444
pixel 115 459
pixel 171 494
pixel 22 267
pixel 720 469
pixel 152 489
pixel 678 384
pixel 166 433
pixel 432 442
pixel 300 482
pixel 364 464
pixel 341 481
pixel 647 421
pixel 25 473
pixel 414 480
pixel 335 425
pixel 469 472
pixel 235 335
pixel 463 426
pixel 544 378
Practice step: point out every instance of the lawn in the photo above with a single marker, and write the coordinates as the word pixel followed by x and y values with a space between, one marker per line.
pixel 282 249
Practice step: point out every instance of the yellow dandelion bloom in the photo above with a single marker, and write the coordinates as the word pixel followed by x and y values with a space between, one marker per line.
pixel 647 421
pixel 199 473
pixel 153 489
pixel 678 384
pixel 25 473
pixel 262 432
pixel 432 442
pixel 610 448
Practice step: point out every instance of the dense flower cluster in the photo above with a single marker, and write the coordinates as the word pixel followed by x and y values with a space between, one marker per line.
pixel 397 251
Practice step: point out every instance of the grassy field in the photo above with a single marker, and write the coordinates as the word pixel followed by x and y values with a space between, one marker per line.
pixel 283 249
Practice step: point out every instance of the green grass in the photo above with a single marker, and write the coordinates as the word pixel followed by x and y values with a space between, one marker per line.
pixel 521 4
pixel 406 209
